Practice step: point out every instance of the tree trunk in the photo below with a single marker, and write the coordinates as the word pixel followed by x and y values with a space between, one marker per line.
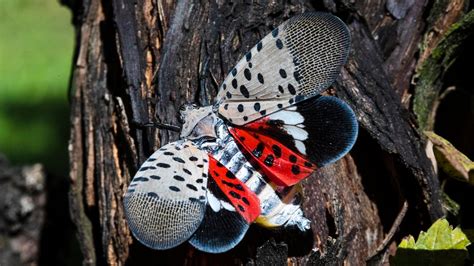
pixel 138 61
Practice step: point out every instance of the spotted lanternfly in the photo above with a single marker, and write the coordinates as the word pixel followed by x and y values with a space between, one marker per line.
pixel 240 160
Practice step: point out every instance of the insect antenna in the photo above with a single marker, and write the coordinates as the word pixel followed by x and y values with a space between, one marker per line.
pixel 159 125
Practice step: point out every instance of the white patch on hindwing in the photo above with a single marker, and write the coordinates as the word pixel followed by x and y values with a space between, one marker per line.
pixel 296 132
pixel 300 146
pixel 217 204
pixel 288 117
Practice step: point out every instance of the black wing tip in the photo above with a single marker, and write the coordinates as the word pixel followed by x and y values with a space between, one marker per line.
pixel 219 232
pixel 352 131
pixel 332 126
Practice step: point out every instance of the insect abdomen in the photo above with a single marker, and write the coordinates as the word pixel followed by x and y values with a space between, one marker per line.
pixel 277 207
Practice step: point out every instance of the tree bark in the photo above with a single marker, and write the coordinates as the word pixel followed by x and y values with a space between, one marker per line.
pixel 138 61
pixel 23 200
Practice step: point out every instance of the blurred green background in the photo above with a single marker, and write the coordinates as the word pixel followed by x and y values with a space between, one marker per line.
pixel 36 49
pixel 35 63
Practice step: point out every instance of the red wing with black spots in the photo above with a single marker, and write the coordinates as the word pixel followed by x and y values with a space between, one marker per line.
pixel 232 207
pixel 290 144
pixel 280 164
pixel 245 202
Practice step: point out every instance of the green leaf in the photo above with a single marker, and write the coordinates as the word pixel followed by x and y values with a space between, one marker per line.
pixel 407 242
pixel 440 245
pixel 440 236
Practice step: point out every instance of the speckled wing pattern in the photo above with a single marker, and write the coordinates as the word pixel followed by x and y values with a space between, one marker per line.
pixel 296 61
pixel 277 118
pixel 166 200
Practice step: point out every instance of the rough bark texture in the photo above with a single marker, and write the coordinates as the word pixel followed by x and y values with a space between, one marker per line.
pixel 23 211
pixel 138 61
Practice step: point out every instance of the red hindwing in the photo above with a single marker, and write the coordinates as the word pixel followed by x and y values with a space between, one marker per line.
pixel 280 164
pixel 245 201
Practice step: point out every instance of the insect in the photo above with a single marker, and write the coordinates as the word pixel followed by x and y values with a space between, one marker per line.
pixel 240 160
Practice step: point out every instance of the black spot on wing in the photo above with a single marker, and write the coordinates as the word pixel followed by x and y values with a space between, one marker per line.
pixel 152 194
pixel 147 168
pixel 192 187
pixel 282 73
pixel 179 160
pixel 260 78
pixel 229 95
pixel 276 150
pixel 244 91
pixel 259 46
pixel 179 178
pixel 247 74
pixel 292 158
pixel 240 108
pixel 229 175
pixel 295 169
pixel 234 83
pixel 279 44
pixel 234 194
pixel 140 179
pixel 193 158
pixel 257 152
pixel 163 165
pixel 155 177
pixel 187 171
pixel 275 32
pixel 256 106
pixel 175 189
pixel 291 89
pixel 269 160
pixel 168 153
pixel 248 56
pixel 297 76
pixel 233 72
pixel 280 89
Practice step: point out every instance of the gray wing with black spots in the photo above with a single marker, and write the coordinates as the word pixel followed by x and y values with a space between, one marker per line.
pixel 166 200
pixel 297 60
